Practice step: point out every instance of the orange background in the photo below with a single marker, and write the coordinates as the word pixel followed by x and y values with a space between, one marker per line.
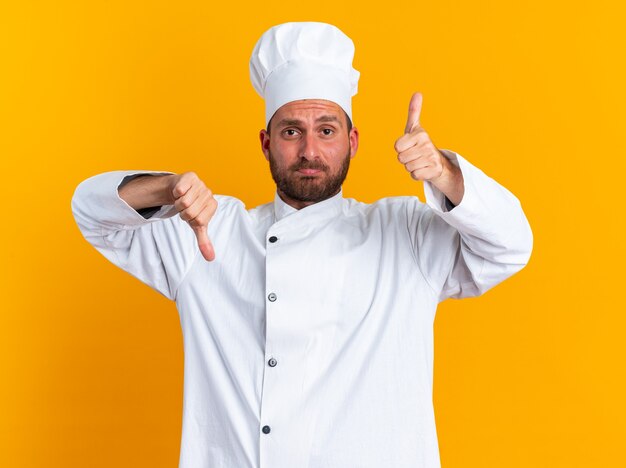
pixel 529 375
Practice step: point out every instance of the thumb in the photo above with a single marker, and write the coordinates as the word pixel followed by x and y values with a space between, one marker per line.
pixel 415 108
pixel 204 243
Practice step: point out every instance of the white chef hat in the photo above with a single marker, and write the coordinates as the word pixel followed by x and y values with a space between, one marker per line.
pixel 303 60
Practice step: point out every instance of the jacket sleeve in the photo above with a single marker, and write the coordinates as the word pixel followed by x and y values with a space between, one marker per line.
pixel 154 245
pixel 467 249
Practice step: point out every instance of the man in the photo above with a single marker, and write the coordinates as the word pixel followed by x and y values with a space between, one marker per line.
pixel 307 321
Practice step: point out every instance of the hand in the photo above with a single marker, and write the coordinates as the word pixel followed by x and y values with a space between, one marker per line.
pixel 422 158
pixel 196 205
pixel 415 148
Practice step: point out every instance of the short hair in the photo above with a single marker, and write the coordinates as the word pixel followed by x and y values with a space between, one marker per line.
pixel 348 122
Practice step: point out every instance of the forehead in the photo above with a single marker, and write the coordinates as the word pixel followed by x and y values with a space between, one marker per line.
pixel 308 108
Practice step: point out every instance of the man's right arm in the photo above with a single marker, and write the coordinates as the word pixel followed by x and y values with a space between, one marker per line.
pixel 189 195
pixel 159 247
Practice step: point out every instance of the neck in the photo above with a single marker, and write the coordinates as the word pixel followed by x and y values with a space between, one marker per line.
pixel 299 204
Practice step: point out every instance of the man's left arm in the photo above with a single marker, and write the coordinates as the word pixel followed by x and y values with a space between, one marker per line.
pixel 492 238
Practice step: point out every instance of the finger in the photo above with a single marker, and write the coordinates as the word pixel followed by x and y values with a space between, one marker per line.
pixel 428 173
pixel 409 140
pixel 421 149
pixel 415 108
pixel 416 165
pixel 199 225
pixel 204 243
pixel 424 173
pixel 192 198
pixel 410 155
pixel 205 214
pixel 186 181
pixel 181 188
pixel 194 208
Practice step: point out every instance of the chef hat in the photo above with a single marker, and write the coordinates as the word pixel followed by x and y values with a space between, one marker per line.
pixel 304 60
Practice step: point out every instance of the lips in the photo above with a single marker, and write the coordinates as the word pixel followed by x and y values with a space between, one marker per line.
pixel 309 171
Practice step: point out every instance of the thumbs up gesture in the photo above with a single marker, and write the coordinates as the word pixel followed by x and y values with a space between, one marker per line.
pixel 196 205
pixel 423 160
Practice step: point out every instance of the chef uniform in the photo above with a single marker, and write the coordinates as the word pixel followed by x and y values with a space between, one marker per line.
pixel 308 341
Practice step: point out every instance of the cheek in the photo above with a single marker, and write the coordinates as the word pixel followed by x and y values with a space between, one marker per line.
pixel 285 151
pixel 337 150
pixel 280 155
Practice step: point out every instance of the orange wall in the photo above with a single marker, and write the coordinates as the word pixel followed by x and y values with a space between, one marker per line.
pixel 529 375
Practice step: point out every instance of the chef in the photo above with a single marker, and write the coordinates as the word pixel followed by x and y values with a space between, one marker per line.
pixel 308 321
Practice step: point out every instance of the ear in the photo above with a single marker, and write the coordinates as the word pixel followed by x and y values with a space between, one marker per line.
pixel 265 143
pixel 354 141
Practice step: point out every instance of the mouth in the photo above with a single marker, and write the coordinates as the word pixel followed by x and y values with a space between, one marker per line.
pixel 309 171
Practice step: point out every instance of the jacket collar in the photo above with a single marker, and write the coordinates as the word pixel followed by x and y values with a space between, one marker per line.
pixel 326 208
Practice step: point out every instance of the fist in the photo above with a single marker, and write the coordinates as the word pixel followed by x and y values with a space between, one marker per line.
pixel 415 149
pixel 195 204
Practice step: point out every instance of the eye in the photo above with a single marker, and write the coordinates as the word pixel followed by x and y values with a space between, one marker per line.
pixel 328 131
pixel 290 132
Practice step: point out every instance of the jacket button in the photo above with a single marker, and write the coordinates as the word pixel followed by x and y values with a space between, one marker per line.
pixel 273 239
pixel 266 429
pixel 271 297
pixel 272 362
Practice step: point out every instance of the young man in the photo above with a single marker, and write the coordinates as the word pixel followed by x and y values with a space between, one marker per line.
pixel 307 321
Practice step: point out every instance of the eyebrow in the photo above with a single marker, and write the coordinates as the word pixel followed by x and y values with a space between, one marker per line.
pixel 323 118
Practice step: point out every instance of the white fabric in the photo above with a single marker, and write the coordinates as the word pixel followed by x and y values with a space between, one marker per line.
pixel 351 329
pixel 303 60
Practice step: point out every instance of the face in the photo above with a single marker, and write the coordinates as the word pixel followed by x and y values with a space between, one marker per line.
pixel 309 149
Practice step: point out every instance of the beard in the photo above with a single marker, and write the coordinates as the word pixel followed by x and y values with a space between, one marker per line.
pixel 314 188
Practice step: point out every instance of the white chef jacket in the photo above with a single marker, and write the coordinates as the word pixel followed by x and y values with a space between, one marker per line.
pixel 308 341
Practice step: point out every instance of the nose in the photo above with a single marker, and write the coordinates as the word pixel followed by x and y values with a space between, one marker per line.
pixel 309 149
